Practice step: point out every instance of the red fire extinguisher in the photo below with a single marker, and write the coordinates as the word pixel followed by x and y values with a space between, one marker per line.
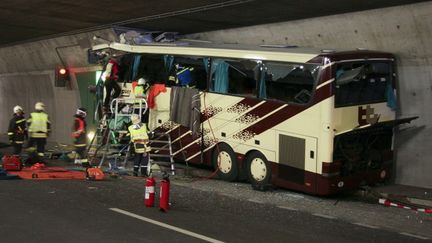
pixel 149 197
pixel 164 193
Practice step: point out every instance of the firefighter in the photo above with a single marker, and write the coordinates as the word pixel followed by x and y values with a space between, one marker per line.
pixel 139 138
pixel 110 77
pixel 17 130
pixel 142 88
pixel 79 133
pixel 39 128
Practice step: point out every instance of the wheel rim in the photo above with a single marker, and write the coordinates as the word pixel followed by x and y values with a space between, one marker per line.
pixel 258 169
pixel 225 162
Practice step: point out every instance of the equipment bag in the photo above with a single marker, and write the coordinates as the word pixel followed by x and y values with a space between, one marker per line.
pixel 95 174
pixel 11 163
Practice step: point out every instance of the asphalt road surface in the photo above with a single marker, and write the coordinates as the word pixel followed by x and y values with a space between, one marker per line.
pixel 113 211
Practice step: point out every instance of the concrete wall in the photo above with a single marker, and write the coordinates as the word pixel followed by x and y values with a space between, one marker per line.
pixel 405 31
pixel 27 74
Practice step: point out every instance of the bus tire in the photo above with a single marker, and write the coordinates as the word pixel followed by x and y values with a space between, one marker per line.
pixel 227 169
pixel 258 169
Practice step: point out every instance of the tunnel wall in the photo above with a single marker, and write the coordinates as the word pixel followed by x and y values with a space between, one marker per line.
pixel 27 75
pixel 405 31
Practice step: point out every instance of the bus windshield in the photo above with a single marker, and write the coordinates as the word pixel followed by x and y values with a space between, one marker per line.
pixel 289 82
pixel 362 82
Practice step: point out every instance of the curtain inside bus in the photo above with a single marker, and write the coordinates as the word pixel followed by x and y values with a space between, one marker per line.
pixel 262 84
pixel 219 69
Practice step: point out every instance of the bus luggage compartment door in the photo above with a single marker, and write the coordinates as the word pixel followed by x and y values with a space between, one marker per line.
pixel 297 159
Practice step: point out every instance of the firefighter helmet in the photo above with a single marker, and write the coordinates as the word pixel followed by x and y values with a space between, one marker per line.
pixel 39 106
pixel 81 112
pixel 141 81
pixel 135 119
pixel 17 109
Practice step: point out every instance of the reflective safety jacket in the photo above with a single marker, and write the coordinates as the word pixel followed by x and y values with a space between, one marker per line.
pixel 17 129
pixel 79 132
pixel 139 137
pixel 141 90
pixel 39 124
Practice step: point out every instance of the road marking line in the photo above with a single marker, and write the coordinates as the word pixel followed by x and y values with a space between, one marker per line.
pixel 415 236
pixel 255 200
pixel 180 230
pixel 366 225
pixel 324 216
pixel 288 208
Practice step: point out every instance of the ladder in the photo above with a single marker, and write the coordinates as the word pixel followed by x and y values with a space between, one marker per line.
pixel 106 139
pixel 162 142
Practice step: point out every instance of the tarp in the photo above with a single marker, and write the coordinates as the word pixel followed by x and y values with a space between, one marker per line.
pixel 49 173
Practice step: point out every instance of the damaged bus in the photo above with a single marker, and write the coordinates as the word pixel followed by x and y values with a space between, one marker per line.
pixel 317 121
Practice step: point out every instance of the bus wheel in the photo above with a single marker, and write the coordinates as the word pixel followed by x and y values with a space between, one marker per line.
pixel 258 168
pixel 225 162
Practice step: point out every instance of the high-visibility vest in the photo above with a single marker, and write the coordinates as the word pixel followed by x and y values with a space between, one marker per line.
pixel 139 91
pixel 139 137
pixel 38 124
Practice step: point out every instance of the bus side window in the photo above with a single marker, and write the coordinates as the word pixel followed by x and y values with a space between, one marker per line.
pixel 289 82
pixel 234 76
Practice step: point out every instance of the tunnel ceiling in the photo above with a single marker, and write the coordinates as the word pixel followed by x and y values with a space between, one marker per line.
pixel 29 20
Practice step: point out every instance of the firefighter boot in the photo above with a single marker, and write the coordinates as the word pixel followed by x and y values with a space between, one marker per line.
pixel 135 171
pixel 144 171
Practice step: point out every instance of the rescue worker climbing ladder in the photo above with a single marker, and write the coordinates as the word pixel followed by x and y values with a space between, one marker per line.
pixel 39 128
pixel 17 130
pixel 139 138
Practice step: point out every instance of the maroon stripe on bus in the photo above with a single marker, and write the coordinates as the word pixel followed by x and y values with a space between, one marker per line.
pixel 188 152
pixel 249 102
pixel 206 158
pixel 246 102
pixel 264 109
pixel 184 141
pixel 316 60
pixel 177 132
pixel 286 113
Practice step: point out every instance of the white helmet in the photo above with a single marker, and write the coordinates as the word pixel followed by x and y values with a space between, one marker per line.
pixel 135 119
pixel 141 81
pixel 18 109
pixel 81 112
pixel 40 106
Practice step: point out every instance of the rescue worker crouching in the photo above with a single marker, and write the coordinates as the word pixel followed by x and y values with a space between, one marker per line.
pixel 39 129
pixel 17 130
pixel 140 139
pixel 79 134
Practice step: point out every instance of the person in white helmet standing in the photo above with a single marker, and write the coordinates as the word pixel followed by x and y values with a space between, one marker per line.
pixel 140 139
pixel 17 130
pixel 39 128
pixel 79 133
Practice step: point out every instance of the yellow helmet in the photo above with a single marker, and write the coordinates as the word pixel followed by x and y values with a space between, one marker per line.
pixel 40 106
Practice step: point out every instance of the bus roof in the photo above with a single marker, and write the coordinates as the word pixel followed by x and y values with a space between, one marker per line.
pixel 263 52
